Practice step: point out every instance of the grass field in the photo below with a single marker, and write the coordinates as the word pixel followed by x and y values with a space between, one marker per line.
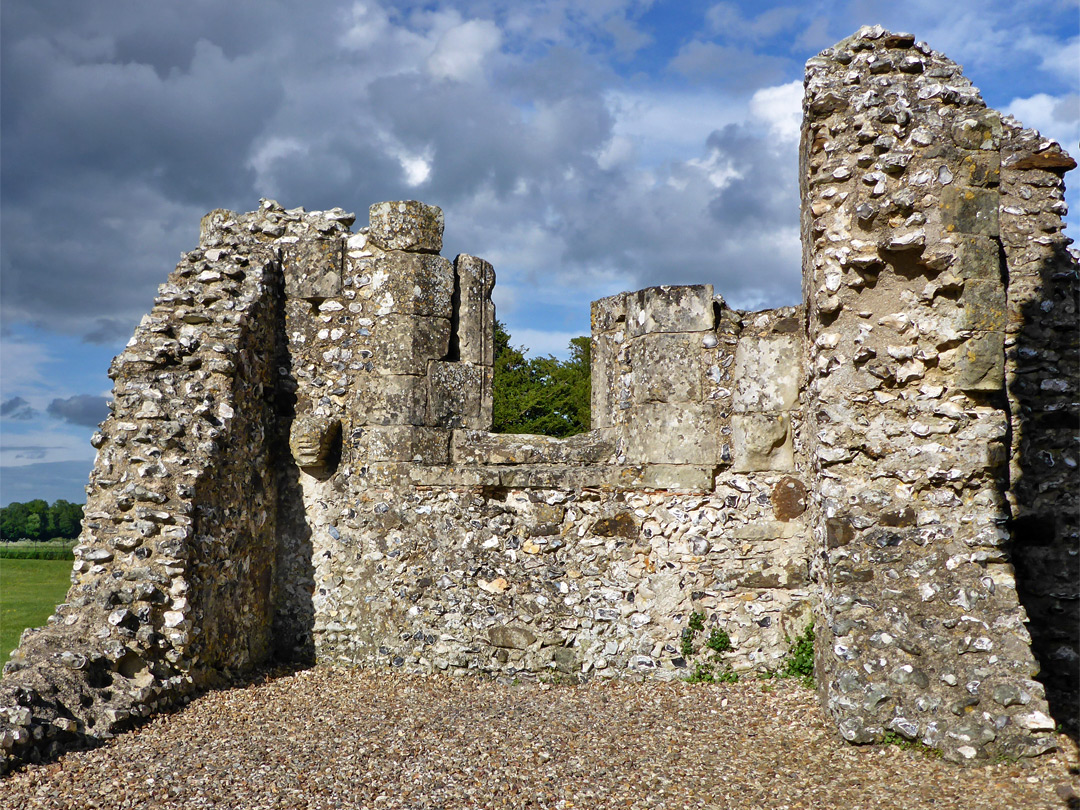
pixel 29 590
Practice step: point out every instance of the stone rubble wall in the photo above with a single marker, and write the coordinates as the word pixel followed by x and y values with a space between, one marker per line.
pixel 171 583
pixel 922 631
pixel 299 463
pixel 1042 360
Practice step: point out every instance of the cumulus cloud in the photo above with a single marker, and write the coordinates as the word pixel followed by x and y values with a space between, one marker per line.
pixel 1055 117
pixel 82 409
pixel 583 146
pixel 460 52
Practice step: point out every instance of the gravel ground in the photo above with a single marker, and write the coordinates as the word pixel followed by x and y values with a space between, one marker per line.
pixel 330 738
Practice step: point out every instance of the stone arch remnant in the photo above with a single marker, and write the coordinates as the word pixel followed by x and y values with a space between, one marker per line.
pixel 298 463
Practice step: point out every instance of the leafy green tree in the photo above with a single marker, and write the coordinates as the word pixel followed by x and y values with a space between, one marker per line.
pixel 37 520
pixel 33 525
pixel 540 395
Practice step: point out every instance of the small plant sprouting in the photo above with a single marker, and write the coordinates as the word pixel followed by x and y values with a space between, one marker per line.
pixel 892 738
pixel 719 641
pixel 686 645
pixel 800 658
pixel 713 670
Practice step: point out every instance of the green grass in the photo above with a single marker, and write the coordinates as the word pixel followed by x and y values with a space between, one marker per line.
pixel 29 590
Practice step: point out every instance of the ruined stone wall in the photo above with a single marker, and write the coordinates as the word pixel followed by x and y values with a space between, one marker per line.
pixel 171 583
pixel 433 545
pixel 298 463
pixel 922 630
pixel 1042 362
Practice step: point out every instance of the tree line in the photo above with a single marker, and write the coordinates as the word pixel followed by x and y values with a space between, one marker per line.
pixel 38 520
pixel 540 394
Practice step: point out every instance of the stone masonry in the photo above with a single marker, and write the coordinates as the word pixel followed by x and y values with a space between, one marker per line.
pixel 298 464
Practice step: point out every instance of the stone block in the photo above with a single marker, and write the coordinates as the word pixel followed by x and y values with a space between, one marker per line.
pixel 406 225
pixel 510 637
pixel 421 445
pixel 667 367
pixel 412 284
pixel 761 441
pixel 660 434
pixel 312 269
pixel 980 129
pixel 981 363
pixel 475 329
pixel 984 305
pixel 670 309
pixel 480 447
pixel 767 374
pixel 391 399
pixel 678 477
pixel 484 420
pixel 981 169
pixel 454 394
pixel 605 372
pixel 978 257
pixel 403 344
pixel 970 210
pixel 609 314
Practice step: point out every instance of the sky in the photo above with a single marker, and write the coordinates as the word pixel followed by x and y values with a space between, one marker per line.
pixel 584 147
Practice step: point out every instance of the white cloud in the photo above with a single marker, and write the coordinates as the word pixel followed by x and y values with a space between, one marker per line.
pixel 460 52
pixel 781 108
pixel 1056 117
pixel 541 342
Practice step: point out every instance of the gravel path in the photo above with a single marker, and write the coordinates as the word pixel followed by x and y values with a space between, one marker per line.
pixel 328 738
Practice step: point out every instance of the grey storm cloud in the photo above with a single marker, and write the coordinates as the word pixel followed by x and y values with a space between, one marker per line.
pixel 124 123
pixel 82 409
pixel 16 408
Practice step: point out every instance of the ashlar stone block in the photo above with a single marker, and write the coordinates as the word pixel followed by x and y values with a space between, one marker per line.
pixel 313 269
pixel 984 305
pixel 404 344
pixel 660 434
pixel 406 225
pixel 422 445
pixel 475 279
pixel 609 314
pixel 391 399
pixel 970 210
pixel 766 374
pixel 670 309
pixel 412 284
pixel 977 257
pixel 981 364
pixel 761 441
pixel 667 367
pixel 454 394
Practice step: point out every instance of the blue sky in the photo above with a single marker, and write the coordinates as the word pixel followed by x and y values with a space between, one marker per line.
pixel 582 146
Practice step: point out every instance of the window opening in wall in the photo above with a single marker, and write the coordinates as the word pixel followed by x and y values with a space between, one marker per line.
pixel 540 395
